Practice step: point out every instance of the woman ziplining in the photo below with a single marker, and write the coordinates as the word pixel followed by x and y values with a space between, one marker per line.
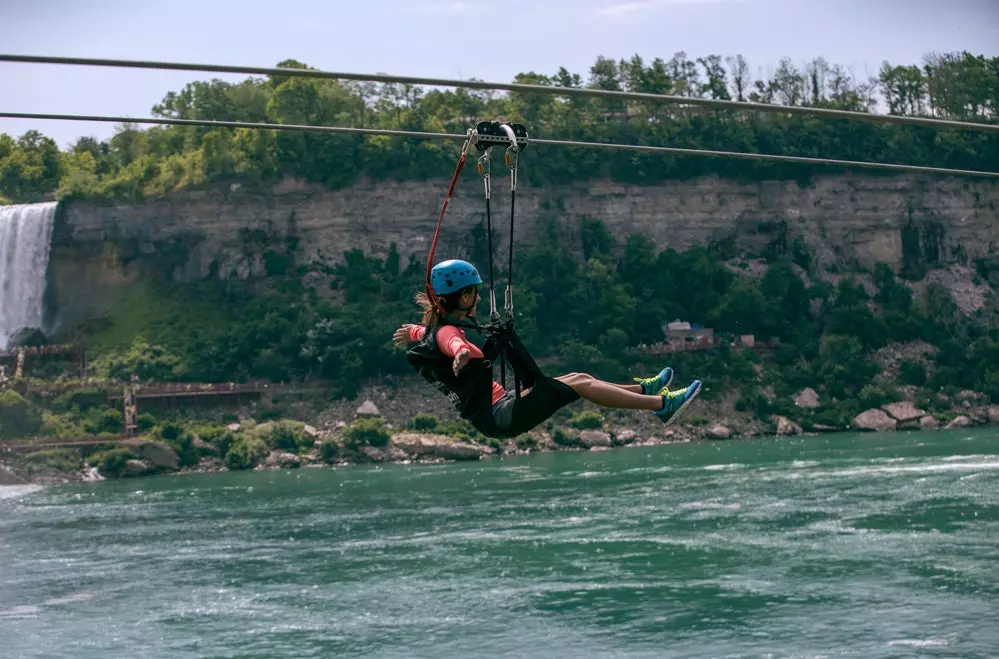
pixel 463 372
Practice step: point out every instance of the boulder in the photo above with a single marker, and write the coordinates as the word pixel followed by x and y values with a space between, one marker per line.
pixel 387 454
pixel 159 455
pixel 367 408
pixel 904 411
pixel 873 419
pixel 460 451
pixel 135 468
pixel 624 437
pixel 311 430
pixel 966 395
pixel 718 431
pixel 592 438
pixel 928 422
pixel 414 443
pixel 436 446
pixel 994 414
pixel 281 460
pixel 959 422
pixel 786 427
pixel 232 427
pixel 807 398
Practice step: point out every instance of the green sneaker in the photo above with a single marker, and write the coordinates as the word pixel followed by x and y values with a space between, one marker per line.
pixel 675 401
pixel 650 386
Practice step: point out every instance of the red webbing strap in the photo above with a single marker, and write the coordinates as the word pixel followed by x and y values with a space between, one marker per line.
pixel 440 220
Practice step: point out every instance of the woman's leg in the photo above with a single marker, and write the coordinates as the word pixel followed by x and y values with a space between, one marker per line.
pixel 620 396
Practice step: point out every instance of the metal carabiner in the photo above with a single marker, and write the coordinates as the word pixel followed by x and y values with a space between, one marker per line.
pixel 485 171
pixel 473 138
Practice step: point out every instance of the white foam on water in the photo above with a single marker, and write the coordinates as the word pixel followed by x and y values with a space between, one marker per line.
pixel 801 464
pixel 915 643
pixel 961 458
pixel 914 469
pixel 17 491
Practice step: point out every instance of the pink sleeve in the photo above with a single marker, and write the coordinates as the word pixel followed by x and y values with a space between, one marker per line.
pixel 417 332
pixel 451 339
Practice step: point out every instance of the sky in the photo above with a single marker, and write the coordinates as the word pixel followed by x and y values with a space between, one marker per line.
pixel 442 38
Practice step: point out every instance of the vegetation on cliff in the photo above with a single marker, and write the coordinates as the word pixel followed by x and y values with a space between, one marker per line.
pixel 586 304
pixel 136 163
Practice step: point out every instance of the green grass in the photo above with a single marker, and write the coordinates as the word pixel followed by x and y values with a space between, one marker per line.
pixel 165 314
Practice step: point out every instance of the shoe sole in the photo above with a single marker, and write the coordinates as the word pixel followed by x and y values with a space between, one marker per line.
pixel 676 415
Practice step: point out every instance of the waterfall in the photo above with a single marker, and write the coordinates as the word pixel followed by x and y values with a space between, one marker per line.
pixel 25 240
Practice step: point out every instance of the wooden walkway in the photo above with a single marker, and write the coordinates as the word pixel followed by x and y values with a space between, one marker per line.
pixel 190 389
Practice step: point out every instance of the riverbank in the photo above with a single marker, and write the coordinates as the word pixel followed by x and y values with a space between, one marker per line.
pixel 388 433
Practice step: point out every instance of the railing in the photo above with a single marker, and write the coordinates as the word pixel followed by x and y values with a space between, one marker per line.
pixel 185 389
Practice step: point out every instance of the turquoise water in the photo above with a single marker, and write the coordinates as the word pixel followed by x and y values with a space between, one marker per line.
pixel 842 546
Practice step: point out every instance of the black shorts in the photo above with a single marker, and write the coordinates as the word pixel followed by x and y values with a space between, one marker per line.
pixel 527 412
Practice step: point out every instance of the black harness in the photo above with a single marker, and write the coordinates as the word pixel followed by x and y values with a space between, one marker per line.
pixel 471 390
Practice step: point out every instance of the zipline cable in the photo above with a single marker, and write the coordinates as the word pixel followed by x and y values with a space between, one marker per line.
pixel 513 87
pixel 640 148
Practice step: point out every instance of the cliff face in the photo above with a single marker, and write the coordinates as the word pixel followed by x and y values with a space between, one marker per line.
pixel 100 246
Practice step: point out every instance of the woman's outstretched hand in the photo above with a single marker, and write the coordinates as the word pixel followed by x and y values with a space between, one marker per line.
pixel 461 359
pixel 401 336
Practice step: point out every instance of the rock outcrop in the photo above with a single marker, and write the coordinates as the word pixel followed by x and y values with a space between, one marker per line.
pixel 873 419
pixel 157 455
pixel 807 398
pixel 786 427
pixel 594 438
pixel 99 246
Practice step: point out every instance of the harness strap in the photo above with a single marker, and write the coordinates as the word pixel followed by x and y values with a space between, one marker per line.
pixel 512 160
pixel 472 138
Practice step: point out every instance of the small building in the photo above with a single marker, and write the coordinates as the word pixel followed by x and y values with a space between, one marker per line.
pixel 685 332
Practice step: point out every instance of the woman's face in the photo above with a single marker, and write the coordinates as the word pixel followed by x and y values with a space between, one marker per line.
pixel 469 300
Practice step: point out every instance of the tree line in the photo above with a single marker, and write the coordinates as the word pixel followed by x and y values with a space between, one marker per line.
pixel 138 163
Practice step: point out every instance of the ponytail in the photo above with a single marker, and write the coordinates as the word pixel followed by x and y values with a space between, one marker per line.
pixel 432 315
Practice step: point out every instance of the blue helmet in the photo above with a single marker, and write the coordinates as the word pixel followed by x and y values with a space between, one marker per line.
pixel 451 276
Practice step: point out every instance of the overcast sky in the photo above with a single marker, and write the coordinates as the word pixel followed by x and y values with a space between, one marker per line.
pixel 443 38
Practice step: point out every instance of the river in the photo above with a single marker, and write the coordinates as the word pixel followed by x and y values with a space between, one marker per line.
pixel 850 545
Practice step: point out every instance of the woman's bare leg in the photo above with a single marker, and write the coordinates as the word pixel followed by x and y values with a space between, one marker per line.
pixel 605 394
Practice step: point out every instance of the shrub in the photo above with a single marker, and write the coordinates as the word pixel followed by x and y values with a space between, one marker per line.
pixel 912 372
pixel 461 429
pixel 424 423
pixel 110 462
pixel 246 453
pixel 145 422
pixel 329 451
pixel 99 421
pixel 18 417
pixel 371 432
pixel 565 438
pixel 587 420
pixel 876 395
pixel 58 459
pixel 81 400
pixel 286 437
pixel 219 437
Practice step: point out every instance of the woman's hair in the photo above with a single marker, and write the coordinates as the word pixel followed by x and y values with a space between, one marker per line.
pixel 431 312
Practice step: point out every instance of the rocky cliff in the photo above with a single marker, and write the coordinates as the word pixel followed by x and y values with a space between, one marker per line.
pixel 218 231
